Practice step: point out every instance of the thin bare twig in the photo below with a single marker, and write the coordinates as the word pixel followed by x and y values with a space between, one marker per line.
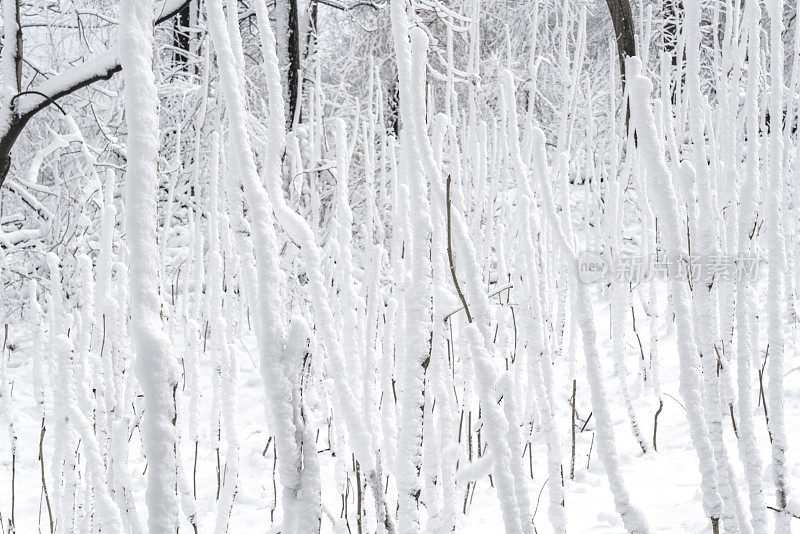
pixel 450 255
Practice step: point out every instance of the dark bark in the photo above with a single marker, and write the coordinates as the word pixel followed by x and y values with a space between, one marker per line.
pixel 393 106
pixel 671 13
pixel 294 61
pixel 20 114
pixel 625 35
pixel 671 8
pixel 311 37
pixel 18 51
pixel 624 31
pixel 180 39
pixel 310 44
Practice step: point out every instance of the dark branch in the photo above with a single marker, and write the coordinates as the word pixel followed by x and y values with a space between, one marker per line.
pixel 450 256
pixel 50 100
pixel 347 7
pixel 24 106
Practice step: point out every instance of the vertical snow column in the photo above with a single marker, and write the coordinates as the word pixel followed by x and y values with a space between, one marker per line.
pixel 154 367
pixel 649 250
pixel 732 60
pixel 532 323
pixel 106 512
pixel 502 426
pixel 505 445
pixel 777 260
pixel 105 305
pixel 300 231
pixel 745 299
pixel 419 295
pixel 7 405
pixel 620 302
pixel 374 327
pixel 64 466
pixel 395 311
pixel 296 364
pixel 632 518
pixel 268 320
pixel 298 511
pixel 8 61
pixel 441 457
pixel 704 291
pixel 37 348
pixel 663 194
pixel 534 319
pixel 224 388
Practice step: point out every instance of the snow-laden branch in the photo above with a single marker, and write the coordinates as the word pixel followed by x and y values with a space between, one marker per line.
pixel 16 115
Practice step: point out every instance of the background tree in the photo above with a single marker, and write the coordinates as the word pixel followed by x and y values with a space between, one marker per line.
pixel 624 32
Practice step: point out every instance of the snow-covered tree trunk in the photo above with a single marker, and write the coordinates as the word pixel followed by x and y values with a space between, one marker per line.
pixel 663 195
pixel 154 360
pixel 776 250
pixel 419 298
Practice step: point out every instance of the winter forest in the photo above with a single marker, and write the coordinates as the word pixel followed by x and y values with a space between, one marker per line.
pixel 399 266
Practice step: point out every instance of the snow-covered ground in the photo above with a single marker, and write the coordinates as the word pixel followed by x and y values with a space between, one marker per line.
pixel 664 484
